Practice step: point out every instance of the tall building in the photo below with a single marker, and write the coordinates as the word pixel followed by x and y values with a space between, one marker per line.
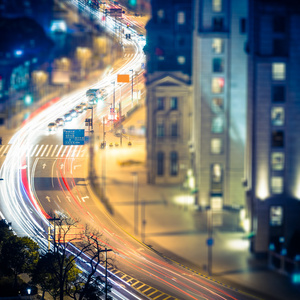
pixel 220 101
pixel 169 90
pixel 273 155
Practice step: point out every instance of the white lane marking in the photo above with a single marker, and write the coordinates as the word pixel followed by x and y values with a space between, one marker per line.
pixel 54 150
pixel 44 150
pixel 49 150
pixel 63 153
pixel 32 154
pixel 70 150
pixel 59 150
pixel 39 150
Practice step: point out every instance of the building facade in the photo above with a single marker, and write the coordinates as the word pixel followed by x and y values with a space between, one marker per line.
pixel 273 171
pixel 169 92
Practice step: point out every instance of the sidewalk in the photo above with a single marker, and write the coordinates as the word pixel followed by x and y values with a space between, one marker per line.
pixel 176 229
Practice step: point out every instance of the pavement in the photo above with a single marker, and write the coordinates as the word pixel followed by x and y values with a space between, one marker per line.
pixel 171 224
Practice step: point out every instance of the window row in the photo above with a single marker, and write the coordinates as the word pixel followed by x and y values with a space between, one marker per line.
pixel 173 163
pixel 161 103
pixel 161 132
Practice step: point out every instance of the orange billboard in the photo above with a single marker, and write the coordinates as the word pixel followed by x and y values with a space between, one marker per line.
pixel 123 78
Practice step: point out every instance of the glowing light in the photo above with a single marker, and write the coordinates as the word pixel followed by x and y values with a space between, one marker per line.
pixel 19 52
pixel 238 244
pixel 184 200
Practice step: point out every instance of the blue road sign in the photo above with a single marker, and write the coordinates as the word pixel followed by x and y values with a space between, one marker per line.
pixel 210 242
pixel 73 137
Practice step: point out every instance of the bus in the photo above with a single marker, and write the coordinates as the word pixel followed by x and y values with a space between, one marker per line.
pixel 114 11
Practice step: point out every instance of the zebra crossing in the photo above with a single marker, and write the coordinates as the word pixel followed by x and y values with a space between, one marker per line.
pixel 128 55
pixel 50 151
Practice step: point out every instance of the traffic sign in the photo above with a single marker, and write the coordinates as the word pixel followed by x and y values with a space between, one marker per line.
pixel 112 110
pixel 209 242
pixel 73 136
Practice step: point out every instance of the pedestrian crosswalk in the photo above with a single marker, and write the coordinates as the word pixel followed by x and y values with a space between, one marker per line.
pixel 50 151
pixel 4 150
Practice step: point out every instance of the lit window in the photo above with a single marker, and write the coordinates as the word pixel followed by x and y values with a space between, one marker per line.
pixel 160 163
pixel 216 173
pixel 217 105
pixel 217 85
pixel 218 65
pixel 218 46
pixel 277 161
pixel 277 184
pixel 174 103
pixel 174 129
pixel 276 215
pixel 278 71
pixel 278 93
pixel 160 130
pixel 277 115
pixel 217 124
pixel 173 163
pixel 160 103
pixel 217 5
pixel 181 60
pixel 216 146
pixel 277 138
pixel 160 14
pixel 180 17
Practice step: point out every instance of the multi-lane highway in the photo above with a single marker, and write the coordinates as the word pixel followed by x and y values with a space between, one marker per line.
pixel 42 176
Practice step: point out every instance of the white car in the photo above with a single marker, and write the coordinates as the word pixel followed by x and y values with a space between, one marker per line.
pixel 60 122
pixel 67 117
pixel 73 113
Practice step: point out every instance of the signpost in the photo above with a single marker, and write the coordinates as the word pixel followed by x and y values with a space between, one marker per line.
pixel 73 136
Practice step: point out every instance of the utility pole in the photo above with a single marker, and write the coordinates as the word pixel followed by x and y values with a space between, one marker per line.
pixel 106 250
pixel 131 87
pixel 120 116
pixel 210 240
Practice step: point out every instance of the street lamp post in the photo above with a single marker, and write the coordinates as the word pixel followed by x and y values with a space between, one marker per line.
pixel 106 250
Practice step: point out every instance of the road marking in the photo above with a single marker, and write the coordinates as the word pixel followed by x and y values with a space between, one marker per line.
pixel 70 150
pixel 48 198
pixel 54 150
pixel 68 198
pixel 49 150
pixel 58 198
pixel 32 154
pixel 39 150
pixel 4 149
pixel 44 150
pixel 63 153
pixel 44 166
pixel 59 150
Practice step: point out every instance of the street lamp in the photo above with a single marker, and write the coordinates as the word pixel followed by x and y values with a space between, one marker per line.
pixel 106 250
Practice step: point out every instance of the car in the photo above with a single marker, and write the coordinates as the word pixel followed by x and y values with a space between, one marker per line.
pixel 67 117
pixel 83 105
pixel 73 113
pixel 78 109
pixel 52 127
pixel 60 122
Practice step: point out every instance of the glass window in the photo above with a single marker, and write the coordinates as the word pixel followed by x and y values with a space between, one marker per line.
pixel 277 138
pixel 278 93
pixel 243 25
pixel 160 163
pixel 217 5
pixel 216 146
pixel 278 71
pixel 173 163
pixel 217 105
pixel 216 176
pixel 277 116
pixel 277 184
pixel 279 24
pixel 174 103
pixel 160 103
pixel 181 60
pixel 217 85
pixel 217 124
pixel 181 17
pixel 218 65
pixel 277 161
pixel 174 129
pixel 218 24
pixel 276 215
pixel 279 47
pixel 218 46
pixel 160 130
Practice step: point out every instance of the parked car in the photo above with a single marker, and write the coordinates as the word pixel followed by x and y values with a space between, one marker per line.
pixel 73 113
pixel 67 117
pixel 84 105
pixel 52 127
pixel 60 122
pixel 79 109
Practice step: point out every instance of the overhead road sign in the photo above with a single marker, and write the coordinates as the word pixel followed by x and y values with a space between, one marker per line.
pixel 73 136
pixel 123 78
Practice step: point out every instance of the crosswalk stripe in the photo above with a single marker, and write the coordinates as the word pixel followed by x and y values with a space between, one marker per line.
pixel 63 153
pixel 39 151
pixel 44 150
pixel 3 149
pixel 32 153
pixel 49 150
pixel 54 150
pixel 69 150
pixel 59 150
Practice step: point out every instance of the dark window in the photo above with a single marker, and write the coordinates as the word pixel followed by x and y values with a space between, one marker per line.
pixel 218 65
pixel 160 103
pixel 174 103
pixel 278 93
pixel 218 24
pixel 277 138
pixel 243 27
pixel 160 130
pixel 279 47
pixel 173 163
pixel 278 24
pixel 160 163
pixel 174 129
